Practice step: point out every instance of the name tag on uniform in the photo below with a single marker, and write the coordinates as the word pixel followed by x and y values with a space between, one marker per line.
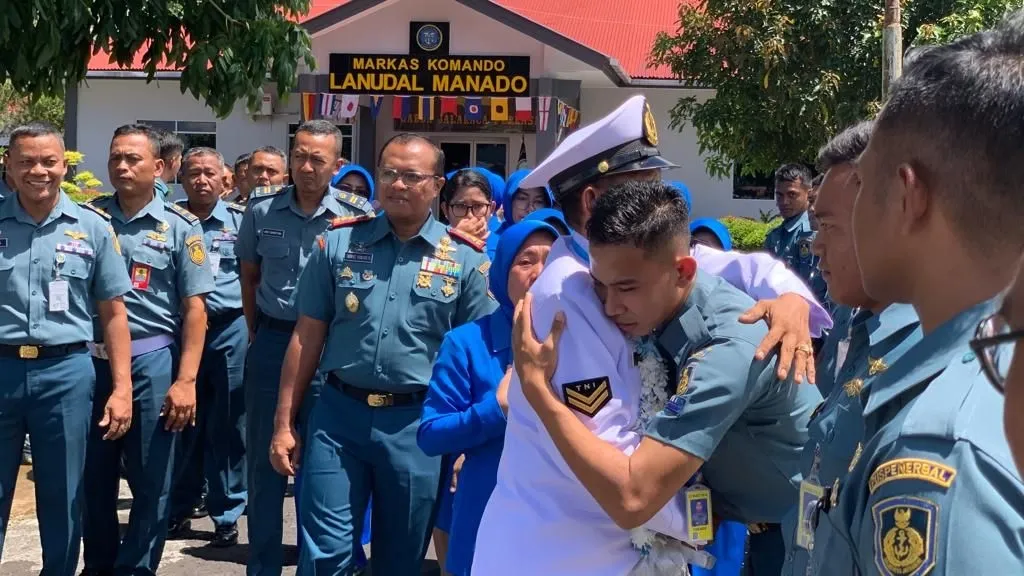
pixel 272 232
pixel 698 521
pixel 59 297
pixel 361 257
pixel 810 495
pixel 140 276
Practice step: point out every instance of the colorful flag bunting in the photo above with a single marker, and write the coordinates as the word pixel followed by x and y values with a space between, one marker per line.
pixel 449 105
pixel 543 110
pixel 308 105
pixel 524 109
pixel 375 104
pixel 474 109
pixel 349 106
pixel 499 109
pixel 426 109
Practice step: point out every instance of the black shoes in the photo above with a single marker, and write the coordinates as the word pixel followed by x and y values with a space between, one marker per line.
pixel 200 511
pixel 179 529
pixel 225 536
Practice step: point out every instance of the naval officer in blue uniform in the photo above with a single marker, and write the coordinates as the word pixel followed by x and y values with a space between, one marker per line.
pixel 214 451
pixel 376 299
pixel 59 266
pixel 275 240
pixel 791 240
pixel 170 276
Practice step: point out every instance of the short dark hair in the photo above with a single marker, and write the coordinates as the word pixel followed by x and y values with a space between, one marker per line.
pixel 34 130
pixel 268 150
pixel 465 178
pixel 151 134
pixel 410 137
pixel 844 147
pixel 646 214
pixel 323 128
pixel 243 159
pixel 957 111
pixel 171 145
pixel 793 172
pixel 202 151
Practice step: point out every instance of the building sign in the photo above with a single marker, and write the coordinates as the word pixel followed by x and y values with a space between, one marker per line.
pixel 430 75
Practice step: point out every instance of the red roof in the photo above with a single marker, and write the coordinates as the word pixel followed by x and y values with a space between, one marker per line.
pixel 624 31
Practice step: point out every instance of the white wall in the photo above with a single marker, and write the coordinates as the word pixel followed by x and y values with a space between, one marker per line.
pixel 712 197
pixel 103 105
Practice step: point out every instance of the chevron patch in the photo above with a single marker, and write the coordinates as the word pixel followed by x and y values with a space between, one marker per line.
pixel 587 396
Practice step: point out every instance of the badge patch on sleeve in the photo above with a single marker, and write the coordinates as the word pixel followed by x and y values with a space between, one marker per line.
pixel 587 396
pixel 911 469
pixel 196 251
pixel 905 535
pixel 684 380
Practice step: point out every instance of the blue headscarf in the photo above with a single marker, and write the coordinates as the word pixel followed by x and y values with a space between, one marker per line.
pixel 716 228
pixel 510 193
pixel 552 216
pixel 685 192
pixel 348 169
pixel 511 241
pixel 494 182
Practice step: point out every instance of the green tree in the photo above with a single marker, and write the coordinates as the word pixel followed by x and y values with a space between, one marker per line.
pixel 788 74
pixel 226 49
pixel 17 108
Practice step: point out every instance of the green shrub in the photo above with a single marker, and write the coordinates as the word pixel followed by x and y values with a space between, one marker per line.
pixel 748 234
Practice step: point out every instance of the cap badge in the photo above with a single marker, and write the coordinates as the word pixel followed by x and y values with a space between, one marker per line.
pixel 602 166
pixel 650 128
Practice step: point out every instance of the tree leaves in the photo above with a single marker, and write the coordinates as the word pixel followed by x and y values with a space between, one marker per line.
pixel 788 74
pixel 226 49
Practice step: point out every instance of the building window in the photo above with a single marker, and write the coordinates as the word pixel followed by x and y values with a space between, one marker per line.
pixel 193 134
pixel 346 140
pixel 760 186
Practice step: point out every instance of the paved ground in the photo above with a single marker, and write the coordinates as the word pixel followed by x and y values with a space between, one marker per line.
pixel 21 555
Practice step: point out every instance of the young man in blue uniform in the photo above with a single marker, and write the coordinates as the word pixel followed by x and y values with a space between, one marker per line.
pixel 791 240
pixel 730 417
pixel 936 224
pixel 213 452
pixel 275 239
pixel 375 301
pixel 170 275
pixel 877 335
pixel 59 266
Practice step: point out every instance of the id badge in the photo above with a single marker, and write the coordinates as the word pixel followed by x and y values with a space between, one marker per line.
pixel 140 276
pixel 698 519
pixel 215 262
pixel 810 495
pixel 59 296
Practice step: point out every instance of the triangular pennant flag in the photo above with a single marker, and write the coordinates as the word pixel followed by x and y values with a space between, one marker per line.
pixel 375 103
pixel 522 162
pixel 524 109
pixel 499 109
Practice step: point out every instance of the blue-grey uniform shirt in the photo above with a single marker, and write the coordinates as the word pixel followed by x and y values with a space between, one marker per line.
pixel 729 409
pixel 276 235
pixel 389 303
pixel 220 231
pixel 935 490
pixel 162 246
pixel 837 430
pixel 791 243
pixel 74 244
pixel 834 349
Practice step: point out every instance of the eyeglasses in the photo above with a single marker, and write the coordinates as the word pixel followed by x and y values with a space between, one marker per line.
pixel 390 176
pixel 353 189
pixel 525 201
pixel 994 343
pixel 460 210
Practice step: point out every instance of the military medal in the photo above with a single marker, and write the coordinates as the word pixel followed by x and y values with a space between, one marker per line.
pixel 853 387
pixel 75 235
pixel 423 280
pixel 156 236
pixel 367 275
pixel 352 302
pixel 60 258
pixel 876 366
pixel 162 226
pixel 444 249
pixel 449 287
pixel 346 273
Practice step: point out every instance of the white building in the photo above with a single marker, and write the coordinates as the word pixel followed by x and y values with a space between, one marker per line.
pixel 590 55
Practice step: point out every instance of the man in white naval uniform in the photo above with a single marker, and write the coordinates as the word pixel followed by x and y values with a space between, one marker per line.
pixel 540 520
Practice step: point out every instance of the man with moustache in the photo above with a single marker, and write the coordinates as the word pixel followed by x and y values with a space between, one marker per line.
pixel 936 224
pixel 170 277
pixel 267 167
pixel 214 450
pixel 877 335
pixel 59 266
pixel 275 239
pixel 241 190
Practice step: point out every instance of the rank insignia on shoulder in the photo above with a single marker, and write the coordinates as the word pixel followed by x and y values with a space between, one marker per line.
pixel 97 210
pixel 929 471
pixel 236 207
pixel 266 191
pixel 587 396
pixel 343 221
pixel 474 242
pixel 185 214
pixel 684 380
pixel 484 268
pixel 905 535
pixel 355 201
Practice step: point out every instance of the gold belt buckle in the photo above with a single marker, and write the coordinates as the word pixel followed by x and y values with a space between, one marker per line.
pixel 378 400
pixel 756 527
pixel 28 352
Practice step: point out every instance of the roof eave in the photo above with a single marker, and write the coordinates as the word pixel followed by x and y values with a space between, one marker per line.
pixel 132 75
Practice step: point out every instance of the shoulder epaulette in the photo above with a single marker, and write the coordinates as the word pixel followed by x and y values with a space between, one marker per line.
pixel 266 191
pixel 236 207
pixel 343 221
pixel 185 214
pixel 355 201
pixel 96 209
pixel 474 242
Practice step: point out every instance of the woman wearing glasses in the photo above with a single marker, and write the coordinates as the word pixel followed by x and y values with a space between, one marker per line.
pixel 467 202
pixel 521 202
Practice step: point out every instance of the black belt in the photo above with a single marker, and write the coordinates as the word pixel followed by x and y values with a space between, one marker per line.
pixel 762 528
pixel 33 352
pixel 277 324
pixel 222 319
pixel 376 398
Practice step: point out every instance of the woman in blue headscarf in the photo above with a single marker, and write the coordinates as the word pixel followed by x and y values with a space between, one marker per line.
pixel 464 412
pixel 684 191
pixel 710 232
pixel 552 216
pixel 520 202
